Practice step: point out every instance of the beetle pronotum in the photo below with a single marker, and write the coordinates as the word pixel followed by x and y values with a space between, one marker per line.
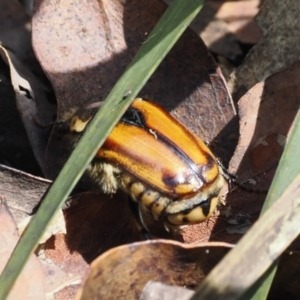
pixel 168 170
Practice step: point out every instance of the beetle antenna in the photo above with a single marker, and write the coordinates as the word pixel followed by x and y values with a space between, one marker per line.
pixel 232 179
pixel 41 125
pixel 242 186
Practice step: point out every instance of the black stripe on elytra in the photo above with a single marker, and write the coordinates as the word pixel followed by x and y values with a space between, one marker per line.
pixel 135 117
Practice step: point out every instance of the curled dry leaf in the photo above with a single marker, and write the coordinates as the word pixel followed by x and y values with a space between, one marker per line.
pixel 124 271
pixel 30 284
pixel 22 193
pixel 278 48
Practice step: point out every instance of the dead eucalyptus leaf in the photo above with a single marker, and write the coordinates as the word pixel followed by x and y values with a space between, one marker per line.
pixel 123 272
pixel 266 114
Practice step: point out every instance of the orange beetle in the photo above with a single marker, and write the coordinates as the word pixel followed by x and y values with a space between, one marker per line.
pixel 164 167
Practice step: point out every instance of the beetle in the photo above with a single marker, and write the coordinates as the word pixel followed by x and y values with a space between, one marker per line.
pixel 164 167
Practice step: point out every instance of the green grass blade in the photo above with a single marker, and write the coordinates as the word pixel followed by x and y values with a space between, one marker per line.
pixel 175 20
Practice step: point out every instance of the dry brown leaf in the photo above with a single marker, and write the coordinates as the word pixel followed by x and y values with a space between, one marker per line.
pixel 30 284
pixel 277 49
pixel 266 114
pixel 94 225
pixel 124 271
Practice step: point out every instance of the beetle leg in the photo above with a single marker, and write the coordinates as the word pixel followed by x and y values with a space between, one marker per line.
pixel 105 176
pixel 143 214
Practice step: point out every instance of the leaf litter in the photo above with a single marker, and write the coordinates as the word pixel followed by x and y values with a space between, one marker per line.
pixel 76 53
